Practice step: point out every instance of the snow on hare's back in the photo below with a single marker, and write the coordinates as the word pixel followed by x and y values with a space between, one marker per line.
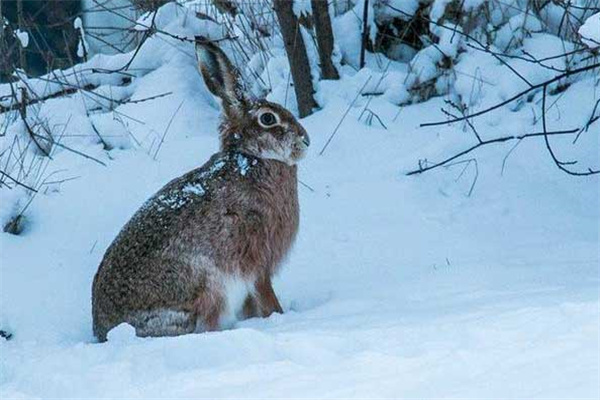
pixel 201 252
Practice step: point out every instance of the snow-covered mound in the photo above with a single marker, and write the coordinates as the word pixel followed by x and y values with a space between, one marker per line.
pixel 477 280
pixel 590 31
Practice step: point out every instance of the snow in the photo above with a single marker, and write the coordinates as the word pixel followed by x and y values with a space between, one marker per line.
pixel 449 39
pixel 122 333
pixel 243 163
pixel 109 22
pixel 78 24
pixel 196 189
pixel 23 37
pixel 515 30
pixel 590 31
pixel 347 31
pixel 480 280
pixel 388 9
pixel 82 45
pixel 438 9
pixel 424 65
pixel 302 7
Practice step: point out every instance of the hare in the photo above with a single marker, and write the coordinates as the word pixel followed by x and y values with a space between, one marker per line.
pixel 201 252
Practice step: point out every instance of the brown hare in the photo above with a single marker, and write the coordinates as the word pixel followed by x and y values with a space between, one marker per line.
pixel 201 252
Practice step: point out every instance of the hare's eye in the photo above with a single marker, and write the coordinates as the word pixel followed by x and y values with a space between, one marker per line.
pixel 267 119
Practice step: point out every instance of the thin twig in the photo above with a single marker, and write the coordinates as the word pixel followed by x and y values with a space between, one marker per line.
pixel 486 142
pixel 344 116
pixel 18 182
pixel 557 162
pixel 162 139
pixel 505 102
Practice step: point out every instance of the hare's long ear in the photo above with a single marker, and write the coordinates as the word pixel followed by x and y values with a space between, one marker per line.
pixel 221 77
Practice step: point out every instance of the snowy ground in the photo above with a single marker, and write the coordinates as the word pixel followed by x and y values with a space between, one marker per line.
pixel 397 286
pixel 402 287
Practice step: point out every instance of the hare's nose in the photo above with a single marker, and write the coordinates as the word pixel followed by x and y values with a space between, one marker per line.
pixel 305 139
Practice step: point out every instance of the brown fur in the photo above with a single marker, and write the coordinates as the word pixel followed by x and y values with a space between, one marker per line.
pixel 234 218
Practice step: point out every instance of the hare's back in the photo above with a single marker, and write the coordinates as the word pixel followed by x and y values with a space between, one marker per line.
pixel 157 225
pixel 152 247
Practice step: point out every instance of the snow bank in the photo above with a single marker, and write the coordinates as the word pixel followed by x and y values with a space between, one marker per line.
pixel 590 31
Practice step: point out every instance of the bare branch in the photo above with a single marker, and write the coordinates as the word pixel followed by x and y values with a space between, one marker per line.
pixel 17 182
pixel 516 96
pixel 423 168
pixel 557 162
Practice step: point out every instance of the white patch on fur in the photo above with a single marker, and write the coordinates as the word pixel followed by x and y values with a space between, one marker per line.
pixel 202 265
pixel 170 201
pixel 175 199
pixel 242 163
pixel 196 189
pixel 273 155
pixel 236 290
pixel 218 165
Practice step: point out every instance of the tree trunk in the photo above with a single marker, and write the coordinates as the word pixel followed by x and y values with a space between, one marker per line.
pixel 365 33
pixel 297 57
pixel 22 28
pixel 320 11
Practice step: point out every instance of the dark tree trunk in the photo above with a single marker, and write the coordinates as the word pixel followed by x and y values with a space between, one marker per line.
pixel 320 11
pixel 22 28
pixel 297 57
pixel 365 35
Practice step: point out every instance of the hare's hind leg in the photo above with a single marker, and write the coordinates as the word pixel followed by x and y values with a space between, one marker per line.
pixel 266 298
pixel 250 308
pixel 162 322
pixel 204 315
pixel 262 302
pixel 208 307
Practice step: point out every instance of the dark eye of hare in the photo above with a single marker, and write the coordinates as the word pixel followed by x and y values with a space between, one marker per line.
pixel 268 119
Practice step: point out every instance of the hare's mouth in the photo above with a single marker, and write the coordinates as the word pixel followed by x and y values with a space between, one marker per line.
pixel 306 141
pixel 302 144
pixel 300 151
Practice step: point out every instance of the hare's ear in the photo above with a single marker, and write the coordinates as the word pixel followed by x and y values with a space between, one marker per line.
pixel 221 77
